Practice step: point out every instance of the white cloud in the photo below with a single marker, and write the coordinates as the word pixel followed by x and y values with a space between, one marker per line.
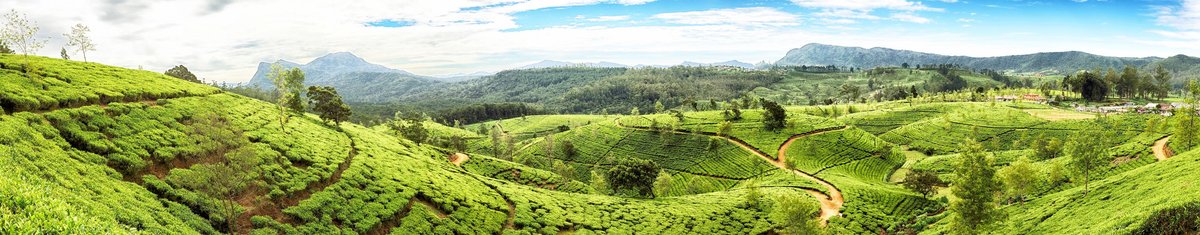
pixel 604 18
pixel 908 17
pixel 846 14
pixel 866 4
pixel 754 16
pixel 1185 19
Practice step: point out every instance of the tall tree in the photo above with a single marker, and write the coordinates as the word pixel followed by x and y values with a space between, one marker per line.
pixel 921 181
pixel 288 86
pixel 1162 79
pixel 976 186
pixel 1019 178
pixel 1090 86
pixel 1127 85
pixel 774 116
pixel 19 31
pixel 1086 152
pixel 795 217
pixel 411 126
pixel 181 72
pixel 79 39
pixel 64 55
pixel 328 104
pixel 633 177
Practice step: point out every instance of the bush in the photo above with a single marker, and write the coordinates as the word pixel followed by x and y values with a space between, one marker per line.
pixel 1181 219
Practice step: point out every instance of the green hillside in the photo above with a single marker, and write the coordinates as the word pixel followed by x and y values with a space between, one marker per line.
pixel 99 149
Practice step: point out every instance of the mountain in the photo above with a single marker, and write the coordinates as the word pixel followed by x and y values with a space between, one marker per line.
pixel 560 64
pixel 1183 66
pixel 821 54
pixel 458 77
pixel 355 79
pixel 731 63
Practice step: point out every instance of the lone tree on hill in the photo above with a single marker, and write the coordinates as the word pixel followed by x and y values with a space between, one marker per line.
pixel 64 55
pixel 328 104
pixel 774 116
pixel 20 32
pixel 79 39
pixel 411 126
pixel 795 217
pixel 1085 156
pixel 182 72
pixel 921 181
pixel 976 187
pixel 633 177
pixel 288 86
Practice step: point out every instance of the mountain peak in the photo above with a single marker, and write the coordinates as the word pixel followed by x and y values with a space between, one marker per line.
pixel 342 58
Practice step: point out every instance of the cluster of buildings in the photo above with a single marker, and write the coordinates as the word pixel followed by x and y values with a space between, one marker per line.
pixel 1165 109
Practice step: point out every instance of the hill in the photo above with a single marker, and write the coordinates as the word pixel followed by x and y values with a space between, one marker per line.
pixel 821 54
pixel 100 149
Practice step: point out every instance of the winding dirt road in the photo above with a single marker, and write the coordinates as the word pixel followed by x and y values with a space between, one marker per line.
pixel 831 204
pixel 1160 149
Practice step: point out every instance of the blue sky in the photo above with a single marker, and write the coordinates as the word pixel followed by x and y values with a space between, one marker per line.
pixel 224 40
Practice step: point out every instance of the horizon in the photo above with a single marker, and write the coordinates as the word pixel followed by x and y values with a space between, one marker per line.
pixel 225 40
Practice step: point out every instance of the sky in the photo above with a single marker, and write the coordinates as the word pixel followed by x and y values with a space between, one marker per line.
pixel 224 40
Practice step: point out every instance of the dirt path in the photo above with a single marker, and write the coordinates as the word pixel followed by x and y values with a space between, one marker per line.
pixel 1160 149
pixel 458 159
pixel 831 203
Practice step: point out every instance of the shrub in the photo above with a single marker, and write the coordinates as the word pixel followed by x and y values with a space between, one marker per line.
pixel 1181 219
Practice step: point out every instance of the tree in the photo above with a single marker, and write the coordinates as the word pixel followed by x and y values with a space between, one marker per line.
pixel 921 181
pixel 1019 178
pixel 182 72
pixel 64 55
pixel 1163 80
pixel 1086 152
pixel 599 183
pixel 328 104
pixel 1127 84
pixel 4 46
pixel 1090 86
pixel 411 126
pixel 633 177
pixel 662 184
pixel 724 128
pixel 20 32
pixel 225 181
pixel 774 116
pixel 976 186
pixel 78 38
pixel 634 112
pixel 288 86
pixel 658 107
pixel 795 216
pixel 1186 130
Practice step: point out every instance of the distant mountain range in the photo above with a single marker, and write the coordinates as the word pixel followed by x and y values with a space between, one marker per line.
pixel 821 54
pixel 360 81
pixel 605 64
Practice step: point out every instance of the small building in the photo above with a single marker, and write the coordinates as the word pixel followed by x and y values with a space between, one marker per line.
pixel 1033 97
pixel 1006 98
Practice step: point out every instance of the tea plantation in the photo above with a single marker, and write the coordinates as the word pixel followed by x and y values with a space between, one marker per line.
pixel 95 149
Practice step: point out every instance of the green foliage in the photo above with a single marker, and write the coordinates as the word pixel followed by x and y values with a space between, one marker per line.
pixel 975 185
pixel 328 104
pixel 1020 178
pixel 921 181
pixel 66 84
pixel 633 177
pixel 1085 157
pixel 774 116
pixel 795 217
pixel 411 127
pixel 182 72
pixel 1182 219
